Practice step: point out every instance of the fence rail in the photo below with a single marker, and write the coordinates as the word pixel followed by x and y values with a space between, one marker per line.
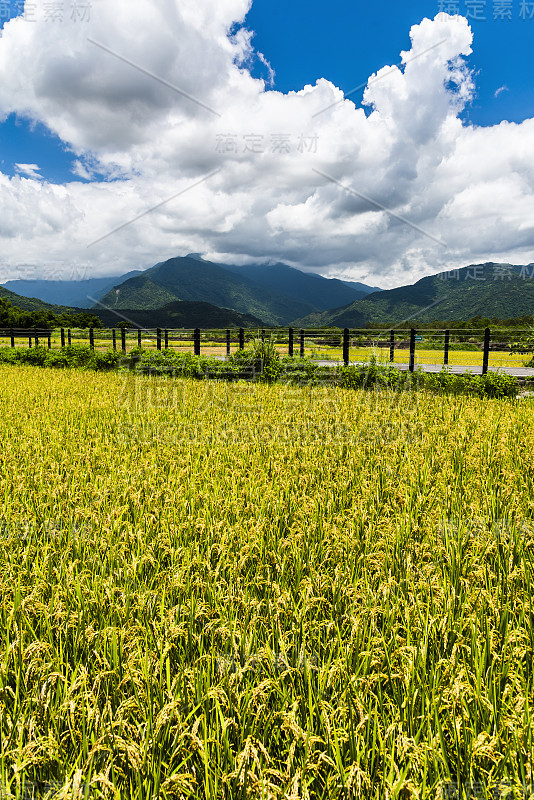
pixel 320 343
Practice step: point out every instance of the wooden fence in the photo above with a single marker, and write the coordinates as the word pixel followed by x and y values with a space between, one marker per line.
pixel 295 339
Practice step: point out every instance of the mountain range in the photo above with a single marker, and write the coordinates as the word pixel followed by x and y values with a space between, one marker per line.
pixel 78 294
pixel 273 294
pixel 191 292
pixel 276 299
pixel 34 303
pixel 306 287
pixel 489 290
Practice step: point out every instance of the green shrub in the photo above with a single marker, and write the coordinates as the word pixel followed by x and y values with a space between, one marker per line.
pixel 77 355
pixel 374 375
pixel 8 355
pixel 378 376
pixel 492 384
pixel 261 354
pixel 167 362
pixel 57 358
pixel 299 370
pixel 36 356
pixel 351 377
pixel 495 384
pixel 445 381
pixel 108 360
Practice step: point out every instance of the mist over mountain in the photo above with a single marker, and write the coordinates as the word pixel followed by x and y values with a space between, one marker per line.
pixel 81 294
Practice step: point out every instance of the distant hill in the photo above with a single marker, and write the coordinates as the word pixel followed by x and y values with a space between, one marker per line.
pixel 305 287
pixel 180 314
pixel 173 315
pixel 361 287
pixel 487 290
pixel 192 279
pixel 34 304
pixel 81 294
pixel 23 312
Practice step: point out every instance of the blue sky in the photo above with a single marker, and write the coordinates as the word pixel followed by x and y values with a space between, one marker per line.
pixel 25 142
pixel 304 41
pixel 344 42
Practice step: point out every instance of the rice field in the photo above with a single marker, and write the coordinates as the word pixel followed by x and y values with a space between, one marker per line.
pixel 457 358
pixel 214 590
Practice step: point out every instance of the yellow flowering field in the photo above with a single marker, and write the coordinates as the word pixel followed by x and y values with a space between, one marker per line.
pixel 213 590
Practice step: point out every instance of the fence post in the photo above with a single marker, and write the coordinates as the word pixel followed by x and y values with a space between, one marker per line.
pixel 36 337
pixel 12 338
pixel 411 365
pixel 166 339
pixel 227 343
pixel 158 338
pixel 114 335
pixel 49 340
pixel 139 337
pixel 392 345
pixel 69 338
pixel 196 341
pixel 485 360
pixel 91 338
pixel 302 343
pixel 291 342
pixel 62 337
pixel 346 346
pixel 446 348
pixel 123 339
pixel 30 341
pixel 241 339
pixel 263 335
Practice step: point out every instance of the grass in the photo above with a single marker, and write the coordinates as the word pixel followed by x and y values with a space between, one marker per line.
pixel 245 591
pixel 460 358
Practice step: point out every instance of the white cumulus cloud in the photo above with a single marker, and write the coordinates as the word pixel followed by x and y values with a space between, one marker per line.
pixel 155 97
pixel 31 170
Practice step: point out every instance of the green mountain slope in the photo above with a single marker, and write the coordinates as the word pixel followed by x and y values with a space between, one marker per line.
pixel 181 314
pixel 33 304
pixel 192 279
pixel 487 290
pixel 176 314
pixel 140 292
pixel 320 292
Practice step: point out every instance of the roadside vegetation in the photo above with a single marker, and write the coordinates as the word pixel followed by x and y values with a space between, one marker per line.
pixel 261 361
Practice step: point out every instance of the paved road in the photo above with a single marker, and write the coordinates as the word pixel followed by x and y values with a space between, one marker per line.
pixel 519 372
